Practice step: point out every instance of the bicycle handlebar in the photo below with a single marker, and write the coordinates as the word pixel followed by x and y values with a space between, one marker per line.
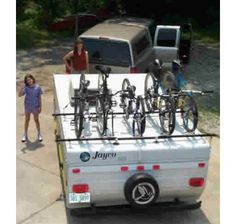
pixel 92 96
pixel 103 70
pixel 202 92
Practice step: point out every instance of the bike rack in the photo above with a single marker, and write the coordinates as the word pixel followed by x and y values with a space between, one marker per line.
pixel 117 139
pixel 94 113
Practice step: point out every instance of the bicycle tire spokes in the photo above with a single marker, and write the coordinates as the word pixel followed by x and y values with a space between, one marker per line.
pixel 149 90
pixel 81 104
pixel 139 118
pixel 156 102
pixel 167 115
pixel 102 116
pixel 189 114
pixel 104 100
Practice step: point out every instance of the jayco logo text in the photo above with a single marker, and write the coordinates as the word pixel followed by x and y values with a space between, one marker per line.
pixel 103 155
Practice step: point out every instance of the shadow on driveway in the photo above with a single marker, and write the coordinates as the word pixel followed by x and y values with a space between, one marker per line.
pixel 32 146
pixel 131 216
pixel 38 57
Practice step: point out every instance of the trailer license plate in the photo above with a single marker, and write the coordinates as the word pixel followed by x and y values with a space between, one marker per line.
pixel 79 198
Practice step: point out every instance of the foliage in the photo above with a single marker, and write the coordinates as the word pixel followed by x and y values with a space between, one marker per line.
pixel 33 16
pixel 27 35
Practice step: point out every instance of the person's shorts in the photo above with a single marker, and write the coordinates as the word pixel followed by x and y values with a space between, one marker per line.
pixel 31 109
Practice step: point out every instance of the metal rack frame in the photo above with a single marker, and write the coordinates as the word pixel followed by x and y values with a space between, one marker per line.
pixel 117 139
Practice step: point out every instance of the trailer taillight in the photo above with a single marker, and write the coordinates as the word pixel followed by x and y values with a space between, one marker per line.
pixel 201 165
pixel 156 167
pixel 80 188
pixel 76 171
pixel 124 168
pixel 140 168
pixel 196 182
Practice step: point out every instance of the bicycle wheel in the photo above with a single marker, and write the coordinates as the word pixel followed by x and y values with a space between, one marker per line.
pixel 102 116
pixel 100 81
pixel 82 78
pixel 124 101
pixel 167 114
pixel 149 91
pixel 189 114
pixel 79 118
pixel 139 120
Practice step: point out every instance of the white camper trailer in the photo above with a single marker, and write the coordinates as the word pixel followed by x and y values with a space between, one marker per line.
pixel 121 169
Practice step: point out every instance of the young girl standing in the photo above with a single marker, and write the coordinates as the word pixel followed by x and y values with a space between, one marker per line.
pixel 32 92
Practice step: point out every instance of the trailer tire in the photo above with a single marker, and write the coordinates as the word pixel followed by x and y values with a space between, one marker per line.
pixel 141 190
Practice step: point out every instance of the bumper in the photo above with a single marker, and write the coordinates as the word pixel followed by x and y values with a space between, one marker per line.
pixel 126 209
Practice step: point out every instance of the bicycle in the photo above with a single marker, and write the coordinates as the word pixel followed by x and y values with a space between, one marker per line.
pixel 186 105
pixel 133 105
pixel 156 101
pixel 104 101
pixel 81 106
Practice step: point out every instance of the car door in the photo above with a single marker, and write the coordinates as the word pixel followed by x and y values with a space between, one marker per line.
pixel 166 42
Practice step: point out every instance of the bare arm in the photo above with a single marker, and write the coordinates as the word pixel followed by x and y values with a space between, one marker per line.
pixel 40 104
pixel 87 61
pixel 21 92
pixel 66 58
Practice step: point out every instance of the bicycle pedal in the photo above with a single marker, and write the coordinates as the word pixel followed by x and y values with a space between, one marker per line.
pixel 122 105
pixel 93 119
pixel 113 103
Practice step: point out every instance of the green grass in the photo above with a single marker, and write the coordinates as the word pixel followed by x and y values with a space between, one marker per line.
pixel 29 36
pixel 207 35
pixel 209 111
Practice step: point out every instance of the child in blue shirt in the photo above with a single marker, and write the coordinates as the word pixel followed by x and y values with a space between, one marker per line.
pixel 32 92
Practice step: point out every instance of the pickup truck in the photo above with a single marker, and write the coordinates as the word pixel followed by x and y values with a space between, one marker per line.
pixel 119 169
pixel 130 46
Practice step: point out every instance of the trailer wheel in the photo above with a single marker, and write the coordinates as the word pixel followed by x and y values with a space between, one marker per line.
pixel 141 190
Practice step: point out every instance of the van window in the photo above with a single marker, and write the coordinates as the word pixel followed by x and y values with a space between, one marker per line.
pixel 108 52
pixel 141 45
pixel 166 37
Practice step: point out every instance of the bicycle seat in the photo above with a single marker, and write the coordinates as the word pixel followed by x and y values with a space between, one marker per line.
pixel 158 63
pixel 103 70
pixel 85 83
pixel 131 88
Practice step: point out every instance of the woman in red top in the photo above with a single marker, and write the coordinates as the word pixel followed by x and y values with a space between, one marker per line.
pixel 76 61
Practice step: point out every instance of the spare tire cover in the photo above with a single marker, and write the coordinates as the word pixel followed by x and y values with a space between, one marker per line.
pixel 141 190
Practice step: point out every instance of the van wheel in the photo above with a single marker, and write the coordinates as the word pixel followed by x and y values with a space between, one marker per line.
pixel 141 190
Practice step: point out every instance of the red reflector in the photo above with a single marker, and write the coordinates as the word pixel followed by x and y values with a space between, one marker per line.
pixel 80 188
pixel 140 168
pixel 124 168
pixel 76 171
pixel 201 165
pixel 156 167
pixel 133 70
pixel 196 182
